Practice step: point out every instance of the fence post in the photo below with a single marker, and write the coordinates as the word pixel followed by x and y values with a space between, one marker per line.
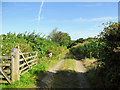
pixel 15 64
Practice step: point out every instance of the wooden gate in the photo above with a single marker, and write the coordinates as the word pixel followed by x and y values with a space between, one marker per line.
pixel 5 69
pixel 17 64
pixel 27 61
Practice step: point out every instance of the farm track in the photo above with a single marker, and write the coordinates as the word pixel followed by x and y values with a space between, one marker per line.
pixel 79 70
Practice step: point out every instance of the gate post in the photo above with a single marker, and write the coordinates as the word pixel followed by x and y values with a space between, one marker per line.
pixel 15 64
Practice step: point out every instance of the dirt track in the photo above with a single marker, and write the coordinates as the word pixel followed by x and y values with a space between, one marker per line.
pixel 46 81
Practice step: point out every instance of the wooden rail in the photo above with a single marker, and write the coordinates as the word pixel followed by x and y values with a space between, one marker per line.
pixel 26 66
pixel 5 57
pixel 4 64
pixel 16 65
pixel 5 69
pixel 5 75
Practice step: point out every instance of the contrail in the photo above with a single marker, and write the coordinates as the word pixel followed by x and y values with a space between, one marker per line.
pixel 40 10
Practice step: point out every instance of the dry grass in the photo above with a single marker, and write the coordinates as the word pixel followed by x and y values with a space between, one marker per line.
pixel 92 75
pixel 89 62
pixel 81 43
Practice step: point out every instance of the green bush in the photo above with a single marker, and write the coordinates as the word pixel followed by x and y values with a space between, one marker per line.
pixel 89 50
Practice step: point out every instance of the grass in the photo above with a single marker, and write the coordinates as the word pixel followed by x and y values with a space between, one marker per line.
pixel 26 81
pixel 69 64
pixel 31 78
pixel 66 75
pixel 51 62
pixel 92 73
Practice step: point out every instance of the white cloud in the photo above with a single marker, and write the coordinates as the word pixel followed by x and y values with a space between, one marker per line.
pixel 40 10
pixel 103 18
pixel 95 19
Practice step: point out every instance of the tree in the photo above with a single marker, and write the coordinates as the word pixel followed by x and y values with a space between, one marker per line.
pixel 60 37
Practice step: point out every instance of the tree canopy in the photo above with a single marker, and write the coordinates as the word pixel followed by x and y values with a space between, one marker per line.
pixel 60 37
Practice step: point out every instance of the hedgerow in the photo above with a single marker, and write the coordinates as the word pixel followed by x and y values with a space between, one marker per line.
pixel 106 50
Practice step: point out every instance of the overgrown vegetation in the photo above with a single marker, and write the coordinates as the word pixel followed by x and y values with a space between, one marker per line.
pixel 89 50
pixel 106 50
pixel 27 42
pixel 32 42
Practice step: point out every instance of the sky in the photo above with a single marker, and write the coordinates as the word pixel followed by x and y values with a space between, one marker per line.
pixel 78 19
